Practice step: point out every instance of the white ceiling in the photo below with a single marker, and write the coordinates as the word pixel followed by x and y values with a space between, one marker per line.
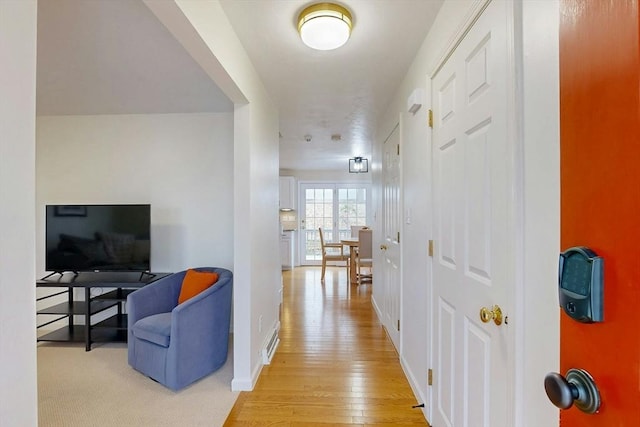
pixel 321 93
pixel 114 57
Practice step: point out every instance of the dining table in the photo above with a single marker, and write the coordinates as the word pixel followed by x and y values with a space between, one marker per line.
pixel 353 244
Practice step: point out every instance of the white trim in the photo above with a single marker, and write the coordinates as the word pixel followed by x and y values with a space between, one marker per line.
pixel 430 354
pixel 247 384
pixel 538 322
pixel 402 144
pixel 517 364
pixel 516 202
pixel 465 25
pixel 414 383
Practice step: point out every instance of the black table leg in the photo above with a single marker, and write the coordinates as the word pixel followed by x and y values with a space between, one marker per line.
pixel 87 319
pixel 70 296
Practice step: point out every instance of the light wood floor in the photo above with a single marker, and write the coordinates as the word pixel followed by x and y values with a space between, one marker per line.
pixel 335 364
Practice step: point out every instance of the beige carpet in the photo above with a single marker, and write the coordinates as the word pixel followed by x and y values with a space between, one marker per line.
pixel 99 388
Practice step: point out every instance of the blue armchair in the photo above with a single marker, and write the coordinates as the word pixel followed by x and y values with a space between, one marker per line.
pixel 177 344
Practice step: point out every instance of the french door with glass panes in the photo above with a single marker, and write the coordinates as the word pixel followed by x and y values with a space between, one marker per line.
pixel 335 208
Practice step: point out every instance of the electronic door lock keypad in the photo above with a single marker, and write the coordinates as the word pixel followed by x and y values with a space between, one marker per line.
pixel 581 284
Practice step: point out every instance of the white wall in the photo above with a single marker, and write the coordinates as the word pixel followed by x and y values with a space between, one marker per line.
pixel 204 30
pixel 536 24
pixel 18 390
pixel 415 153
pixel 181 164
pixel 328 175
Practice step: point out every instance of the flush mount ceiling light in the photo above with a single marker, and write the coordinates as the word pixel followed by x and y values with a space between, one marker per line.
pixel 358 165
pixel 325 26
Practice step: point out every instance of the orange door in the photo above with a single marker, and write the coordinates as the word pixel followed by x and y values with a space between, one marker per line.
pixel 600 196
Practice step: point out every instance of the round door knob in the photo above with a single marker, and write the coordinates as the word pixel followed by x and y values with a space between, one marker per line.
pixel 488 314
pixel 560 391
pixel 577 388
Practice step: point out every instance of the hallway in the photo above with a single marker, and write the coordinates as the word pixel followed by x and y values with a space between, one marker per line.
pixel 335 364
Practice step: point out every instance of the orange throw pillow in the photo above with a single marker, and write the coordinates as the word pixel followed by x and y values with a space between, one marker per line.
pixel 195 282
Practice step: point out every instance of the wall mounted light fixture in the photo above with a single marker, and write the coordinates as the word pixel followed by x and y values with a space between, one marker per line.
pixel 358 165
pixel 325 26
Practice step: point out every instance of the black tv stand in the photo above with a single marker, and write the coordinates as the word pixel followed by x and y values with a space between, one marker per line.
pixel 58 272
pixel 115 287
pixel 146 273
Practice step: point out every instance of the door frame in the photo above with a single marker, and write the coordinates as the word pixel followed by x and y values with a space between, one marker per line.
pixel 381 305
pixel 535 210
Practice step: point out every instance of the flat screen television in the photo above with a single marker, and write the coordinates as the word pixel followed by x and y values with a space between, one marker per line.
pixel 98 238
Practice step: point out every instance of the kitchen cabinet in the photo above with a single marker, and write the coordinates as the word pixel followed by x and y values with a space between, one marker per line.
pixel 286 250
pixel 287 193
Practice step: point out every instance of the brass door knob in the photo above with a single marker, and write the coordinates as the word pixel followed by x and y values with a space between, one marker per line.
pixel 383 247
pixel 495 314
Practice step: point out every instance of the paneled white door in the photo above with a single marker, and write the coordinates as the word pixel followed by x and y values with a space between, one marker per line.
pixel 391 236
pixel 473 227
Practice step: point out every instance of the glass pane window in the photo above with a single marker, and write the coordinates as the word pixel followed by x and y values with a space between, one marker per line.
pixel 352 209
pixel 335 208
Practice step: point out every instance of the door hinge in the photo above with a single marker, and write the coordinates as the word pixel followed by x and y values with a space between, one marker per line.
pixel 431 248
pixel 431 119
pixel 398 324
pixel 398 149
pixel 430 377
pixel 398 237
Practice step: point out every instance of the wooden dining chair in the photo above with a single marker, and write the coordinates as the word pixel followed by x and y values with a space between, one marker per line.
pixel 356 228
pixel 332 252
pixel 364 255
